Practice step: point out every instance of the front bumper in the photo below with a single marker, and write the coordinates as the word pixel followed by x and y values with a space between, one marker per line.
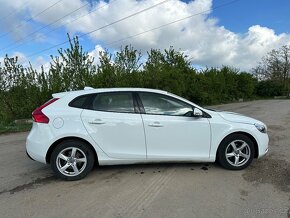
pixel 263 144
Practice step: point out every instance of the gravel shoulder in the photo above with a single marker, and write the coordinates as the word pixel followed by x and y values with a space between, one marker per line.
pixel 29 189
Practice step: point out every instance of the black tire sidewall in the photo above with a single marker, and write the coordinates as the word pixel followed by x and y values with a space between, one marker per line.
pixel 221 158
pixel 80 145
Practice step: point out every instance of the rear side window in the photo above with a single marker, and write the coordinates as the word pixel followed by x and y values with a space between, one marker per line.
pixel 121 102
pixel 79 102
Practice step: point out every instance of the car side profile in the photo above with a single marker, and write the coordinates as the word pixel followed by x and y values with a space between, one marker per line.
pixel 76 130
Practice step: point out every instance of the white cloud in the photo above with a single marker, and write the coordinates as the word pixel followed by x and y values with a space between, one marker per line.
pixel 40 62
pixel 96 53
pixel 201 37
pixel 13 13
pixel 20 57
pixel 36 63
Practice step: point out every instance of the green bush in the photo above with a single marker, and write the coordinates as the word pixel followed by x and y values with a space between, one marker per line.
pixel 269 88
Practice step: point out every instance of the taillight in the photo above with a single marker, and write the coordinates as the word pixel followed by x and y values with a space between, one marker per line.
pixel 38 116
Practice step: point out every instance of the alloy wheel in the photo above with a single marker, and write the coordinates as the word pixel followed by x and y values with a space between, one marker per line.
pixel 238 153
pixel 71 161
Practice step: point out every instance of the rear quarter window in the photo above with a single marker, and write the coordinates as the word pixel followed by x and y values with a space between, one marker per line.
pixel 80 101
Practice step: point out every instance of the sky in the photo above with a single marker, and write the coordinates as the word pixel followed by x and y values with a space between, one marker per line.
pixel 212 33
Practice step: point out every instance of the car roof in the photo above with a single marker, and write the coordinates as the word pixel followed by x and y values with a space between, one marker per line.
pixel 89 90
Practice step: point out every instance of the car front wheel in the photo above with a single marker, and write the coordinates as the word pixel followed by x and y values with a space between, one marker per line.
pixel 72 160
pixel 236 152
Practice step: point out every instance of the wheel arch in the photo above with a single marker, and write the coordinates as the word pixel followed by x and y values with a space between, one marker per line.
pixel 57 142
pixel 252 138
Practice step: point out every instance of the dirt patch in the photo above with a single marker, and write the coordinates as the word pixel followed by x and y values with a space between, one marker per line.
pixel 30 185
pixel 244 192
pixel 276 128
pixel 270 171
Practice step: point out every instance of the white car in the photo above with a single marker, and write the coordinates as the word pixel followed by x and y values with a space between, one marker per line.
pixel 77 129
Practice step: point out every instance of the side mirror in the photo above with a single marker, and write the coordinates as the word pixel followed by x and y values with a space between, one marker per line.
pixel 197 112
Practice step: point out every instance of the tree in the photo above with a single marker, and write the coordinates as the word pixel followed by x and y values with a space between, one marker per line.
pixel 275 66
pixel 18 90
pixel 120 69
pixel 168 70
pixel 269 88
pixel 10 74
pixel 72 69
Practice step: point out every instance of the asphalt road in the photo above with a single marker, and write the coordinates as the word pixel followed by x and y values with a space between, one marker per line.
pixel 29 189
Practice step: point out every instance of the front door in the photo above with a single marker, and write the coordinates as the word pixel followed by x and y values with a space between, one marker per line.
pixel 171 134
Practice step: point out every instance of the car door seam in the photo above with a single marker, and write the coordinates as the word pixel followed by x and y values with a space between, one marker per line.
pixel 210 135
pixel 144 136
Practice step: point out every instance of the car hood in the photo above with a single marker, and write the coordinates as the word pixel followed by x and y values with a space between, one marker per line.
pixel 237 118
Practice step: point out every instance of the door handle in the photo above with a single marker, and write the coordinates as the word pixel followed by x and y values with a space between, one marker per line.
pixel 155 124
pixel 97 121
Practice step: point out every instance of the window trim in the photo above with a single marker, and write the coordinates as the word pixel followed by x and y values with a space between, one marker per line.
pixel 137 103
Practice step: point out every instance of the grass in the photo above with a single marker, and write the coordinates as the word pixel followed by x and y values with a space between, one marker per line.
pixel 13 127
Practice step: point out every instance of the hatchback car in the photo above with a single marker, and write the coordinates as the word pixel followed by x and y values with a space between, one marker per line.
pixel 76 130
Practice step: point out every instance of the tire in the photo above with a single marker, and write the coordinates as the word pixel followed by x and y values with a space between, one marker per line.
pixel 75 157
pixel 236 152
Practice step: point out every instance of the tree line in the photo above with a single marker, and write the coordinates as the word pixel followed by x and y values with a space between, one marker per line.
pixel 22 89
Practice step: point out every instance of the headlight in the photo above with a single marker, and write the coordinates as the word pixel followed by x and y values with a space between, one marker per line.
pixel 261 128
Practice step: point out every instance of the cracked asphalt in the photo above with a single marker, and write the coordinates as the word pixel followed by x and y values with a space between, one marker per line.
pixel 29 189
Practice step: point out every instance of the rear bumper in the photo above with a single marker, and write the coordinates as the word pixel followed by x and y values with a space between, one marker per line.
pixel 37 142
pixel 29 156
pixel 34 151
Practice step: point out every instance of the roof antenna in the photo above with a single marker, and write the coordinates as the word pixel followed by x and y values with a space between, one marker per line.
pixel 88 88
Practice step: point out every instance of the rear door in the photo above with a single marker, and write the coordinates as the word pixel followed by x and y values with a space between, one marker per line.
pixel 113 121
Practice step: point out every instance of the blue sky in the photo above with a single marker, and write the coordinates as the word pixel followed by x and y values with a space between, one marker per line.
pixel 238 34
pixel 239 16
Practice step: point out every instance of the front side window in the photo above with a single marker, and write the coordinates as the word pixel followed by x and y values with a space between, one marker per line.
pixel 114 102
pixel 163 105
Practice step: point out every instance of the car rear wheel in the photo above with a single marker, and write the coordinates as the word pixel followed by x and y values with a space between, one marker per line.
pixel 236 152
pixel 72 160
